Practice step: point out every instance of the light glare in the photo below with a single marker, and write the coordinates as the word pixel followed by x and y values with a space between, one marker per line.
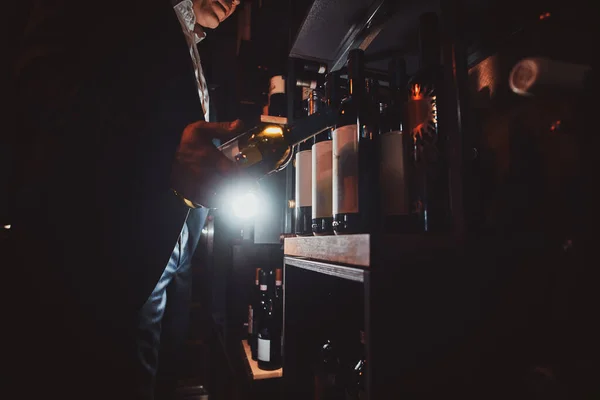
pixel 245 206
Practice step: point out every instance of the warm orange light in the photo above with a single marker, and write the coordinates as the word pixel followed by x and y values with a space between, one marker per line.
pixel 273 131
pixel 416 92
pixel 545 15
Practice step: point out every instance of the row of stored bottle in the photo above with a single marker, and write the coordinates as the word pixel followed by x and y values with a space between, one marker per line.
pixel 265 319
pixel 341 369
pixel 383 166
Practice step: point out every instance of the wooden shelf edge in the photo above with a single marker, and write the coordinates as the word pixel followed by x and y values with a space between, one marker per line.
pixel 346 249
pixel 256 372
pixel 357 250
pixel 353 274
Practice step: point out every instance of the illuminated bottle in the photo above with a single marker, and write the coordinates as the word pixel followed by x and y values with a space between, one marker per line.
pixel 429 194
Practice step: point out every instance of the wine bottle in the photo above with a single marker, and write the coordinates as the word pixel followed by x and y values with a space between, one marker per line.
pixel 267 147
pixel 278 299
pixel 395 166
pixel 322 214
pixel 316 67
pixel 355 156
pixel 328 382
pixel 429 194
pixel 269 334
pixel 277 98
pixel 252 321
pixel 279 287
pixel 303 186
pixel 304 175
pixel 542 76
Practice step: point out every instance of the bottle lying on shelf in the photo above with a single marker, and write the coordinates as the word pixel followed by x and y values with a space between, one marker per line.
pixel 268 146
pixel 328 374
pixel 538 76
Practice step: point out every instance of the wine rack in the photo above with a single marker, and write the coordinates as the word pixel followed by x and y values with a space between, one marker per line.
pixel 461 314
pixel 344 271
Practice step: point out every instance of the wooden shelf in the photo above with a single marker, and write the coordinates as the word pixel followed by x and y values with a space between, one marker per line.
pixel 346 249
pixel 256 372
pixel 356 250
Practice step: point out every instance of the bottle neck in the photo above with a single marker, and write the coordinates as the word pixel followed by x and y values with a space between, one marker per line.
pixel 398 79
pixel 305 145
pixel 429 41
pixel 356 76
pixel 332 90
pixel 314 102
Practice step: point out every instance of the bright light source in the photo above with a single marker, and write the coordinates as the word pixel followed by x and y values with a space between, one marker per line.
pixel 204 230
pixel 245 205
pixel 273 131
pixel 7 226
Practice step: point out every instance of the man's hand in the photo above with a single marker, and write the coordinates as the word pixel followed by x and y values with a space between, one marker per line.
pixel 210 13
pixel 200 170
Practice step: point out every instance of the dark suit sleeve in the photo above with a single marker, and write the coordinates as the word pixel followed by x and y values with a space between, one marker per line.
pixel 103 97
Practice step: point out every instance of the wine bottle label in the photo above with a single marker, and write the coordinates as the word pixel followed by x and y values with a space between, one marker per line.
pixel 345 170
pixel 250 319
pixel 303 178
pixel 263 288
pixel 393 180
pixel 277 283
pixel 277 85
pixel 272 119
pixel 322 179
pixel 264 350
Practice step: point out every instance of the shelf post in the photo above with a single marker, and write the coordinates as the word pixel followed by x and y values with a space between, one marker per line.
pixel 456 74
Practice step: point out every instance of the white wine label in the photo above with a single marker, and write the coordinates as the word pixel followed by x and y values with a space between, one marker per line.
pixel 345 170
pixel 250 319
pixel 263 288
pixel 264 350
pixel 277 283
pixel 393 176
pixel 277 85
pixel 322 160
pixel 272 119
pixel 303 178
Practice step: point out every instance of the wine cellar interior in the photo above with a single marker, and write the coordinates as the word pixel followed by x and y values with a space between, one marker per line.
pixel 466 269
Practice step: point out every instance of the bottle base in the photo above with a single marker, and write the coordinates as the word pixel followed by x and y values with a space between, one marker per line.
pixel 346 224
pixel 322 226
pixel 303 221
pixel 266 367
